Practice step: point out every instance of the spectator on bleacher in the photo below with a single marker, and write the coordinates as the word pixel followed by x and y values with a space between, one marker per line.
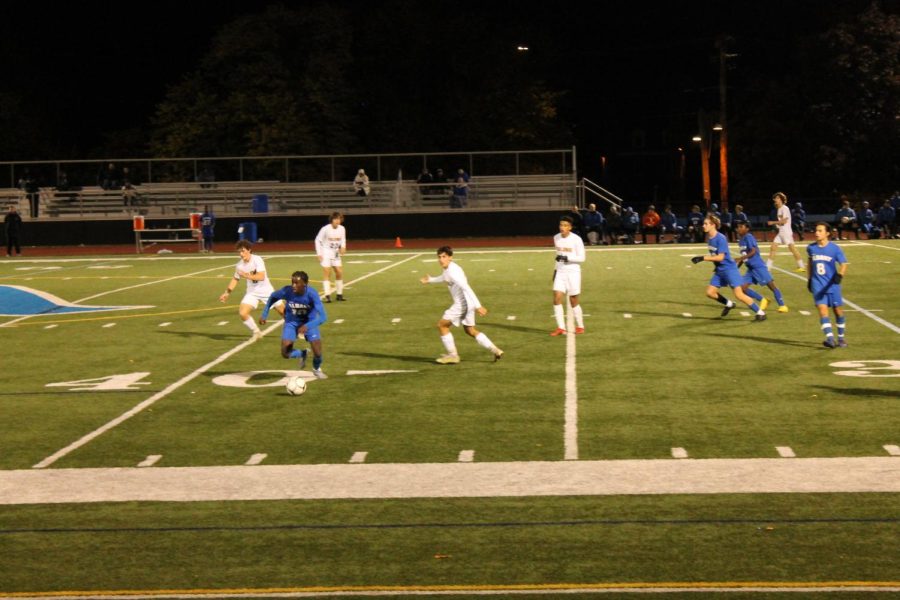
pixel 62 182
pixel 866 219
pixel 885 219
pixel 577 221
pixel 614 224
pixel 206 178
pixel 593 222
pixel 650 224
pixel 29 185
pixel 739 214
pixel 12 223
pixel 727 230
pixel 424 181
pixel 207 228
pixel 439 178
pixel 109 178
pixel 631 221
pixel 845 218
pixel 129 193
pixel 361 183
pixel 798 220
pixel 695 225
pixel 460 190
pixel 668 223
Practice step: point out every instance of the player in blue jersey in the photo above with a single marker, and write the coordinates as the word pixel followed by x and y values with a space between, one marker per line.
pixel 303 313
pixel 757 272
pixel 726 272
pixel 827 267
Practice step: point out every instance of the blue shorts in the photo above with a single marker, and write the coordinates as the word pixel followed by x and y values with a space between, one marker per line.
pixel 757 276
pixel 830 296
pixel 730 277
pixel 289 332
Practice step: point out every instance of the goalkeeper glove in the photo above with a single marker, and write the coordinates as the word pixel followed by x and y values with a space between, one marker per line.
pixel 838 278
pixel 697 259
pixel 562 258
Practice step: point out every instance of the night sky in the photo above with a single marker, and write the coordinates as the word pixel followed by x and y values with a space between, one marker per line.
pixel 103 68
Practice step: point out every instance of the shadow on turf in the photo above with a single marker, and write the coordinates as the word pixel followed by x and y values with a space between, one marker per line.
pixel 676 316
pixel 862 392
pixel 415 359
pixel 220 337
pixel 767 340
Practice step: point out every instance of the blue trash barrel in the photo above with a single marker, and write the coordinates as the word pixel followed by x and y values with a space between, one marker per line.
pixel 261 203
pixel 247 231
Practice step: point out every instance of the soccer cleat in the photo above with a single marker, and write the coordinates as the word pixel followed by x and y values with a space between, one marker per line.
pixel 557 332
pixel 340 298
pixel 447 359
pixel 319 374
pixel 783 309
pixel 842 343
pixel 498 353
pixel 727 310
pixel 799 270
pixel 763 304
pixel 256 335
pixel 829 343
pixel 328 298
pixel 579 330
pixel 759 318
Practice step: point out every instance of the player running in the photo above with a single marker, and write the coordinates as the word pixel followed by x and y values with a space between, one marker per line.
pixel 757 273
pixel 824 282
pixel 726 272
pixel 465 305
pixel 567 276
pixel 785 233
pixel 303 315
pixel 331 244
pixel 252 268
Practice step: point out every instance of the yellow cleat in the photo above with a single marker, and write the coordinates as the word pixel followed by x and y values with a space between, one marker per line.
pixel 763 304
pixel 799 270
pixel 783 309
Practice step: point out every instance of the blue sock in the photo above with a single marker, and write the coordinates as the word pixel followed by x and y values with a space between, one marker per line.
pixel 317 362
pixel 778 297
pixel 296 354
pixel 755 307
pixel 826 327
pixel 841 325
pixel 753 294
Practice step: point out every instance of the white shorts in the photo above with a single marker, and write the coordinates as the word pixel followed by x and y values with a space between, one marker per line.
pixel 254 299
pixel 331 261
pixel 567 282
pixel 784 237
pixel 459 313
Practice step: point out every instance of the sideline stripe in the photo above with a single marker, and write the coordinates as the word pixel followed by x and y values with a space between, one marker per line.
pixel 256 459
pixel 571 427
pixel 174 386
pixel 150 460
pixel 679 453
pixel 466 456
pixel 358 457
pixel 892 449
pixel 785 452
pixel 485 589
pixel 868 313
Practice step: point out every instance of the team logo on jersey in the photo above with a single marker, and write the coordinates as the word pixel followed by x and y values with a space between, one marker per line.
pixel 19 301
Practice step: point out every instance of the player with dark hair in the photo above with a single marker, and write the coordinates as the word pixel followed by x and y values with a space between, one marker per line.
pixel 726 272
pixel 303 315
pixel 461 312
pixel 567 276
pixel 331 244
pixel 785 233
pixel 252 268
pixel 824 282
pixel 757 273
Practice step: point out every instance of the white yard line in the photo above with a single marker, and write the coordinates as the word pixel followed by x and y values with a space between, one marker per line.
pixel 453 480
pixel 174 386
pixel 571 428
pixel 868 313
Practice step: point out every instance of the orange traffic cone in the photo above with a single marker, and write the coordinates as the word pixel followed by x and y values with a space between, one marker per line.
pixel 398 243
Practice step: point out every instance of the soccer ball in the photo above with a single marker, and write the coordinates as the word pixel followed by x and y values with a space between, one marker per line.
pixel 296 386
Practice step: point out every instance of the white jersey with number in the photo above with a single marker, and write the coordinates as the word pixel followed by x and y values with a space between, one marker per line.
pixel 329 243
pixel 258 289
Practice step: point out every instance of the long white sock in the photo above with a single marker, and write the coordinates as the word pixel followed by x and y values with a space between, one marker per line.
pixel 769 263
pixel 800 263
pixel 484 341
pixel 579 317
pixel 560 318
pixel 449 344
pixel 339 284
pixel 326 286
pixel 250 324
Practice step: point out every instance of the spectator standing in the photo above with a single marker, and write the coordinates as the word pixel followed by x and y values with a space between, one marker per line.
pixel 669 224
pixel 12 223
pixel 885 219
pixel 798 220
pixel 695 225
pixel 361 183
pixel 650 224
pixel 845 218
pixel 207 228
pixel 593 222
pixel 460 190
pixel 29 185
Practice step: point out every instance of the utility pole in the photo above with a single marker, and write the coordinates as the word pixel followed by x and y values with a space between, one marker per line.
pixel 723 134
pixel 704 140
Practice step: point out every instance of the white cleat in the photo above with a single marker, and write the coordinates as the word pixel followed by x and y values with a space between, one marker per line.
pixel 498 353
pixel 257 335
pixel 447 359
pixel 319 374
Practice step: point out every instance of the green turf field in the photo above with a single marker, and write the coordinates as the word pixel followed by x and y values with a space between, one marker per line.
pixel 657 369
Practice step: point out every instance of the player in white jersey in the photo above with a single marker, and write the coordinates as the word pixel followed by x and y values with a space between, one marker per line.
pixel 252 268
pixel 331 243
pixel 567 276
pixel 462 311
pixel 785 233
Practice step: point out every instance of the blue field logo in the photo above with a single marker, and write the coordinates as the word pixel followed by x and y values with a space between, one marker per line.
pixel 18 301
